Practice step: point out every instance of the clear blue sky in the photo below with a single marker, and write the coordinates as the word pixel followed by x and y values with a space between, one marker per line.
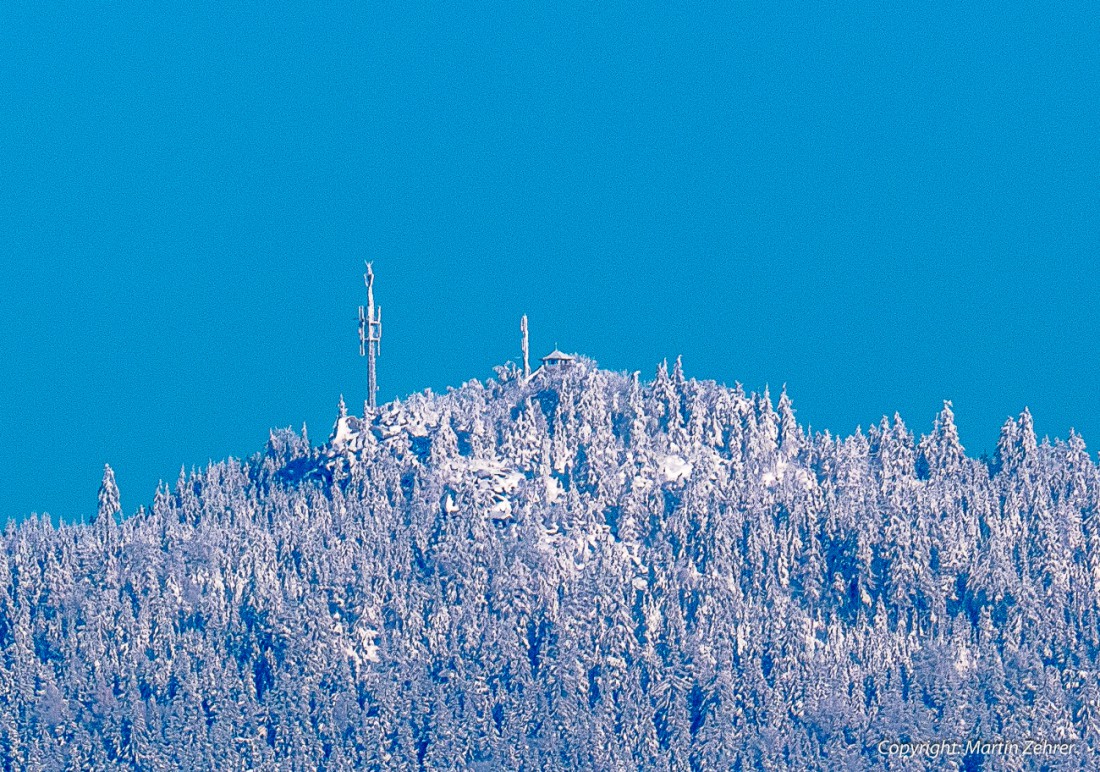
pixel 880 207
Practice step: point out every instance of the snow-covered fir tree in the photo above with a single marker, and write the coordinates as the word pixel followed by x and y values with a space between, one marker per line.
pixel 579 570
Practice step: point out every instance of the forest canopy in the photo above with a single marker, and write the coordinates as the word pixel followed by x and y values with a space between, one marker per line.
pixel 579 570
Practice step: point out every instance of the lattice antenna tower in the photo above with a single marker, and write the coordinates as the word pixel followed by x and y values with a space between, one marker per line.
pixel 526 350
pixel 370 337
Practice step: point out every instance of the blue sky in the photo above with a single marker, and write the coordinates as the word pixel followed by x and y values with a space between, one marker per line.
pixel 881 208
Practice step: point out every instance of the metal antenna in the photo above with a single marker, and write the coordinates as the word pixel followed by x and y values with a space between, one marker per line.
pixel 370 337
pixel 526 361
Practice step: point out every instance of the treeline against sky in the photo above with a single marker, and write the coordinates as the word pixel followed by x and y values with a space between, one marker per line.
pixel 575 571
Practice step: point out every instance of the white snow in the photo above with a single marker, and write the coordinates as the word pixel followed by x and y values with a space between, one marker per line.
pixel 554 489
pixel 780 470
pixel 366 641
pixel 343 434
pixel 674 468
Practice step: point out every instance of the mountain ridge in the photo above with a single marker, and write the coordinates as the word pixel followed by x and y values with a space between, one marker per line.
pixel 578 569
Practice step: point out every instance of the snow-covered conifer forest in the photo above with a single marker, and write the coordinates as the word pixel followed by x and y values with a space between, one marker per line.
pixel 577 571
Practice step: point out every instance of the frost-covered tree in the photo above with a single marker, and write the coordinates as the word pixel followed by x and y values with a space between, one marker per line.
pixel 576 570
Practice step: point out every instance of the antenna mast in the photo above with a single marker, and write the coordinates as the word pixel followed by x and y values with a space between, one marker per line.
pixel 526 361
pixel 370 337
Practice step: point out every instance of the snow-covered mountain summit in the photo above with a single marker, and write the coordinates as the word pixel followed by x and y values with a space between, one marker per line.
pixel 578 569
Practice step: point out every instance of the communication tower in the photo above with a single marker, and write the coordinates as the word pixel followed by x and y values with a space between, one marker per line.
pixel 370 337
